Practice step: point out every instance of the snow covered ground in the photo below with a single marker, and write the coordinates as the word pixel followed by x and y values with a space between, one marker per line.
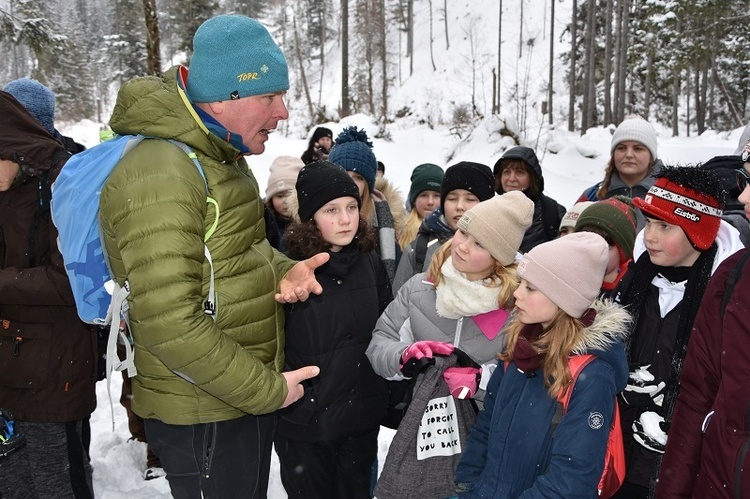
pixel 119 464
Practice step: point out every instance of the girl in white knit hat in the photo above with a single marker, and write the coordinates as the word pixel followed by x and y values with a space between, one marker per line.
pixel 632 163
pixel 462 302
pixel 522 442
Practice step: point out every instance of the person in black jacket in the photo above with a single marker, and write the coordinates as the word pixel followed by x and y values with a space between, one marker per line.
pixel 328 440
pixel 519 170
pixel 319 145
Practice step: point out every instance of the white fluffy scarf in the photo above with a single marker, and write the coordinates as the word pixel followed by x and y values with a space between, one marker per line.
pixel 459 297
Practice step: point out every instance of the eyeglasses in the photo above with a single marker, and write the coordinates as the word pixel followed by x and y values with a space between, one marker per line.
pixel 742 178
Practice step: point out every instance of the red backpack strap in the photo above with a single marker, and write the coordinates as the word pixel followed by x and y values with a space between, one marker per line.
pixel 576 363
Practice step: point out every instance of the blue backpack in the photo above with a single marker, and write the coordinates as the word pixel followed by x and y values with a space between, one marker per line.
pixel 100 300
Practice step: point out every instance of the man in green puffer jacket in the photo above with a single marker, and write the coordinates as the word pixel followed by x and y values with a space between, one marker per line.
pixel 206 386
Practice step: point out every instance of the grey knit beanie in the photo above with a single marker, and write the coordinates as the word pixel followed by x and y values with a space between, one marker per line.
pixel 637 129
pixel 499 224
pixel 283 175
pixel 38 100
pixel 568 270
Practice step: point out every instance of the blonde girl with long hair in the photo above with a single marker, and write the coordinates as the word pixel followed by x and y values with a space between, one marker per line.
pixel 522 443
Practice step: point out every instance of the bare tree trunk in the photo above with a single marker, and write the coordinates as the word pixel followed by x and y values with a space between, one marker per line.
pixel 520 31
pixel 647 85
pixel 432 55
pixel 573 57
pixel 589 97
pixel 302 74
pixel 608 65
pixel 153 59
pixel 410 36
pixel 675 102
pixel 345 104
pixel 623 61
pixel 551 59
pixel 499 53
pixel 737 118
pixel 445 20
pixel 384 61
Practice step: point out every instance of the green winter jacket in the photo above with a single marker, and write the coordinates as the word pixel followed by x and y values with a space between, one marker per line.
pixel 154 215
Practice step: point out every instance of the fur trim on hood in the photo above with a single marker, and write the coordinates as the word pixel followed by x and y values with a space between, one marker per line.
pixel 612 323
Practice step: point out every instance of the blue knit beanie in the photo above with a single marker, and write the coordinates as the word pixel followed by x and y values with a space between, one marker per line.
pixel 38 100
pixel 235 57
pixel 353 152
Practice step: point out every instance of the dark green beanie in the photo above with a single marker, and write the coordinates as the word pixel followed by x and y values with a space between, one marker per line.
pixel 614 216
pixel 425 177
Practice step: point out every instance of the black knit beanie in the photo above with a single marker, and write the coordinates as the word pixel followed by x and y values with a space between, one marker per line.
pixel 321 182
pixel 473 177
pixel 321 132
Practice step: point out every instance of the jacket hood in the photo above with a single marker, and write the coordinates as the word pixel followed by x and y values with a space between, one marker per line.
pixel 159 107
pixel 605 338
pixel 528 156
pixel 23 139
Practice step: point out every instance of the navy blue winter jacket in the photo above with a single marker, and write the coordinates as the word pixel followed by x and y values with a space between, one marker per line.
pixel 512 450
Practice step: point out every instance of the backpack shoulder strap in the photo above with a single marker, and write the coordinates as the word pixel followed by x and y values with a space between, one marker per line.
pixel 420 252
pixel 576 363
pixel 734 276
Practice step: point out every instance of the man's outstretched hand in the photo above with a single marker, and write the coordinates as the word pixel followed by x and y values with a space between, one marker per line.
pixel 300 281
pixel 294 380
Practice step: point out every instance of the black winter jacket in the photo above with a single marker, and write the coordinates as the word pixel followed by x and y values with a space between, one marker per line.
pixel 332 330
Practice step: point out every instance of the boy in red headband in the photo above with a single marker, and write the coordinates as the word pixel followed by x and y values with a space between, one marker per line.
pixel 682 244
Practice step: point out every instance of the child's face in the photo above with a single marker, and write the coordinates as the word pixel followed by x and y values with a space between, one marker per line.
pixel 667 244
pixel 470 257
pixel 613 265
pixel 338 221
pixel 324 143
pixel 533 306
pixel 632 160
pixel 426 202
pixel 280 205
pixel 360 181
pixel 457 202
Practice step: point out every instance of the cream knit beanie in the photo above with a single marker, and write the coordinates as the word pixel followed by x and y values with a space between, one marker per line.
pixel 499 224
pixel 637 129
pixel 284 171
pixel 569 270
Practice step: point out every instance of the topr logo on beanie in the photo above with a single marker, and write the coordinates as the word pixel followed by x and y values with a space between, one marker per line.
pixel 499 224
pixel 473 177
pixel 235 57
pixel 352 151
pixel 321 182
pixel 690 198
pixel 568 270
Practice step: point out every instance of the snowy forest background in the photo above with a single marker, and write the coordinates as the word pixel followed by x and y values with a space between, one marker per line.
pixel 572 64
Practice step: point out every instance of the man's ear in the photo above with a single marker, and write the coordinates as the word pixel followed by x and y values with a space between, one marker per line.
pixel 213 108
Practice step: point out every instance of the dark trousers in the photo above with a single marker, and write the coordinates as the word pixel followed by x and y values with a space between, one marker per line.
pixel 328 471
pixel 226 459
pixel 53 464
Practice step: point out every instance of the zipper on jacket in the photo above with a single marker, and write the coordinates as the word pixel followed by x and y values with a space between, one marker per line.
pixel 738 468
